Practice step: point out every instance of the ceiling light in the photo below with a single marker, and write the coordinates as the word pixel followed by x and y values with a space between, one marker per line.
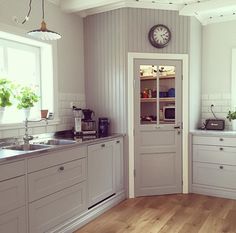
pixel 43 33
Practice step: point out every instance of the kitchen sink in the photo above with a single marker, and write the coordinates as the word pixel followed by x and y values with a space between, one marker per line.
pixel 58 142
pixel 27 147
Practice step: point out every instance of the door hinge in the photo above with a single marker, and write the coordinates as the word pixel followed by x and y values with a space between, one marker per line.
pixel 134 172
pixel 182 182
pixel 134 82
pixel 182 77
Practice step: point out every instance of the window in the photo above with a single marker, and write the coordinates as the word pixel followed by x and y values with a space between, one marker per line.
pixel 27 64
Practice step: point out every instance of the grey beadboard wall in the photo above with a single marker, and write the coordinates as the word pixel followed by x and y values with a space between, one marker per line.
pixel 108 37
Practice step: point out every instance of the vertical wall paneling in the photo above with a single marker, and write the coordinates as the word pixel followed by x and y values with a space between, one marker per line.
pixel 109 36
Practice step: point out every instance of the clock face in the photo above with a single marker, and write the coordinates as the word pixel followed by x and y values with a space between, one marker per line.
pixel 159 36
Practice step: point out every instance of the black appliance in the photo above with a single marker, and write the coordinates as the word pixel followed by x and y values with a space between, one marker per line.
pixel 103 126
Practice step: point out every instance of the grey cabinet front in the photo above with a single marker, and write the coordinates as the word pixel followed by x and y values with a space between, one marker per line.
pixel 101 172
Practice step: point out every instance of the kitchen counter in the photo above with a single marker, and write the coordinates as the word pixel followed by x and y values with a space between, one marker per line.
pixel 214 133
pixel 7 155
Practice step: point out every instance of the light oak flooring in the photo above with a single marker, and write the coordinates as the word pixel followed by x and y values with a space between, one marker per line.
pixel 167 214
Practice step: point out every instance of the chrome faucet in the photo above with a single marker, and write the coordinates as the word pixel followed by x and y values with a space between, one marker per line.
pixel 27 138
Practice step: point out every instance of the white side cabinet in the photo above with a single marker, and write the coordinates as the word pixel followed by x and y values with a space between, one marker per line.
pixel 214 166
pixel 12 198
pixel 101 172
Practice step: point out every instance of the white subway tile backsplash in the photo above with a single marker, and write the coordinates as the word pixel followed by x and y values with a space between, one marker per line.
pixel 10 133
pixel 222 104
pixel 215 96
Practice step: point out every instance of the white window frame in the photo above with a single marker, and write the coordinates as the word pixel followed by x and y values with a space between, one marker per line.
pixel 48 70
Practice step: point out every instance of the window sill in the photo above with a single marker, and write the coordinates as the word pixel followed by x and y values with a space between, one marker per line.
pixel 31 124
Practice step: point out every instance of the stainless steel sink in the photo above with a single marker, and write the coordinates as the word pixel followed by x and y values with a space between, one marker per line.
pixel 59 142
pixel 27 147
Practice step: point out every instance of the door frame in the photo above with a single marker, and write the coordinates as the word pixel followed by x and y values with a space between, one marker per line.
pixel 185 113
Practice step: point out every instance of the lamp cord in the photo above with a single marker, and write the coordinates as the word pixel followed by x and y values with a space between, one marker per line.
pixel 43 8
pixel 29 11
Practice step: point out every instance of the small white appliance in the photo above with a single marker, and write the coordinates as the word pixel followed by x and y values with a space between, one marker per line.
pixel 78 115
pixel 169 113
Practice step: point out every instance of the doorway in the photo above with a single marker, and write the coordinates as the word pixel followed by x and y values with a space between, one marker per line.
pixel 132 121
pixel 158 126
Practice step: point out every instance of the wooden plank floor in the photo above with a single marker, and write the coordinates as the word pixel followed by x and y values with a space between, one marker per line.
pixel 167 214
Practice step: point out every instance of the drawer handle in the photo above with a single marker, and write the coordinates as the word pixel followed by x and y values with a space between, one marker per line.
pixel 221 148
pixel 103 145
pixel 221 167
pixel 117 142
pixel 61 168
pixel 221 139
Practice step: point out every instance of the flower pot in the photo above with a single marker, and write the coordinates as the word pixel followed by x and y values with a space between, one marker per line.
pixel 2 110
pixel 26 112
pixel 44 113
pixel 233 125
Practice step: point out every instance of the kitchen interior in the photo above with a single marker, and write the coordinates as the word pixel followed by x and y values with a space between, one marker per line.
pixel 130 125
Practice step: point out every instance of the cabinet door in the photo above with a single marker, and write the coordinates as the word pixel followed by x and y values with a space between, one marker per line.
pixel 13 221
pixel 12 194
pixel 101 172
pixel 119 164
pixel 54 210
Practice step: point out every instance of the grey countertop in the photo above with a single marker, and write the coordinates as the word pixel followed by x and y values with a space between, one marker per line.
pixel 9 155
pixel 214 133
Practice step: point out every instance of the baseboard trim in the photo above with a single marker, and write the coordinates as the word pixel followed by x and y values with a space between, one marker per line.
pixel 79 221
pixel 216 192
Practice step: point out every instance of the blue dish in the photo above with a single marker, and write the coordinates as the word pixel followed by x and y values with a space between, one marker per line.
pixel 171 92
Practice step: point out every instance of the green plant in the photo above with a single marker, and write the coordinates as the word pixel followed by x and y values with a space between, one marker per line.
pixel 231 115
pixel 5 92
pixel 26 98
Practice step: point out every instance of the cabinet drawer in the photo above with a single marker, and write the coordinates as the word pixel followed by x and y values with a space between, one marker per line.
pixel 214 154
pixel 222 176
pixel 51 211
pixel 214 141
pixel 13 221
pixel 56 158
pixel 12 194
pixel 53 179
pixel 11 170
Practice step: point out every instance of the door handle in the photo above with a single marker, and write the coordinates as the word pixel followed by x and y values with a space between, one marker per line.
pixel 177 127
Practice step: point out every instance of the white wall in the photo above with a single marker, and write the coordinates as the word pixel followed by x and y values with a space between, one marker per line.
pixel 195 56
pixel 70 51
pixel 218 41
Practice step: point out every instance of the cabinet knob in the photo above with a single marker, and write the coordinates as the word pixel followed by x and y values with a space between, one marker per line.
pixel 221 167
pixel 221 148
pixel 117 141
pixel 221 139
pixel 61 168
pixel 103 145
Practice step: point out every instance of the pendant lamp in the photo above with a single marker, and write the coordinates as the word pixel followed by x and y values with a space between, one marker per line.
pixel 43 33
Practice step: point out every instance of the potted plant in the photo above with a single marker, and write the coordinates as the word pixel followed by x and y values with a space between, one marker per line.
pixel 26 99
pixel 5 95
pixel 232 118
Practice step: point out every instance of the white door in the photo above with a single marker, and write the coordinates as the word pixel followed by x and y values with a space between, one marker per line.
pixel 158 121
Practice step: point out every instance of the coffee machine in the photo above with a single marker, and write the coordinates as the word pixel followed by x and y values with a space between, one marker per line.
pixel 78 115
pixel 88 124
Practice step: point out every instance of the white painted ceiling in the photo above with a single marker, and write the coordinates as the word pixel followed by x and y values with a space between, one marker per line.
pixel 206 11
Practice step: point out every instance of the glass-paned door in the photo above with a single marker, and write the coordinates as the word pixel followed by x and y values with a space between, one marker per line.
pixel 158 117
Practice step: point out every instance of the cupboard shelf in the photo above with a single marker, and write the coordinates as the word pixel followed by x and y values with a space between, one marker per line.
pixel 154 100
pixel 143 78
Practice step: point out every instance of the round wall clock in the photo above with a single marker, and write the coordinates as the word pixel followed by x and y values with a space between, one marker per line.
pixel 159 36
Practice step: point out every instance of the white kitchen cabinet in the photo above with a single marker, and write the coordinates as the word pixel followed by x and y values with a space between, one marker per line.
pixel 214 166
pixel 56 178
pixel 54 210
pixel 119 167
pixel 101 172
pixel 13 221
pixel 12 194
